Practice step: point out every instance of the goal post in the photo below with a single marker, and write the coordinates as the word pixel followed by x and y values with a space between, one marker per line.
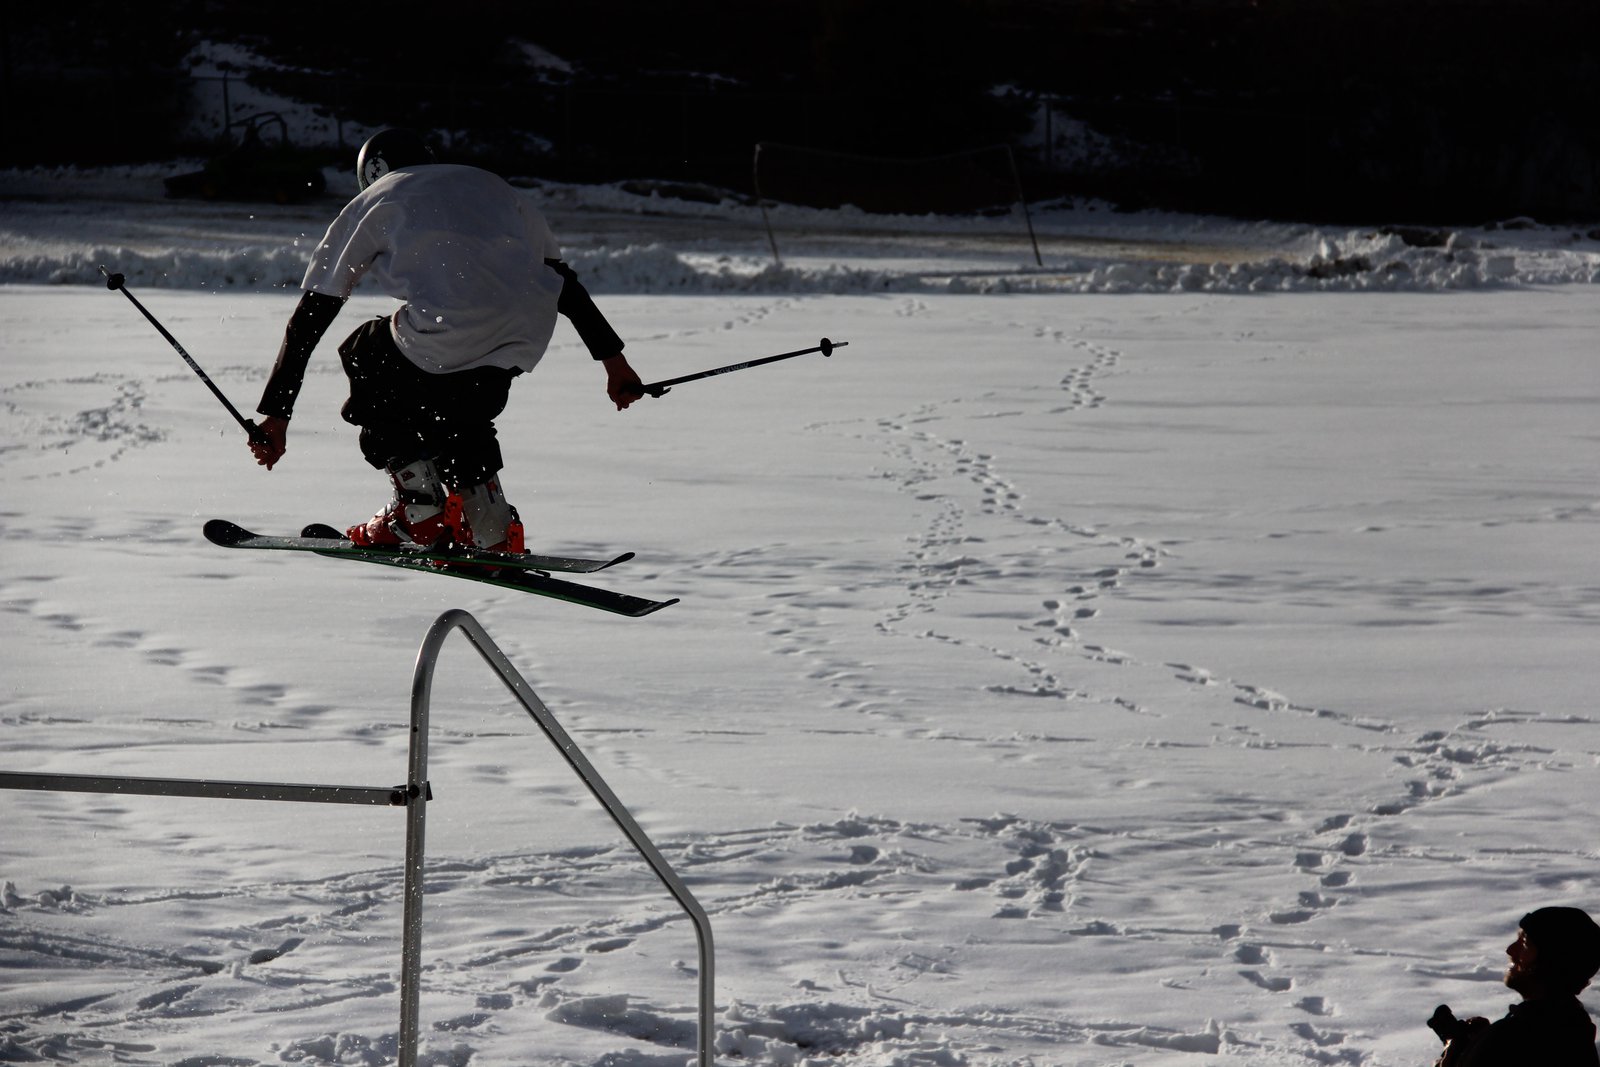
pixel 973 181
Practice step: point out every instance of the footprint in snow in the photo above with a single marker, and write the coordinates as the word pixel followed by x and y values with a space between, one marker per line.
pixel 1314 1006
pixel 1272 984
pixel 1253 955
pixel 267 955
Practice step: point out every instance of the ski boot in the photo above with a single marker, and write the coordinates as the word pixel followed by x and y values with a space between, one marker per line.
pixel 493 521
pixel 423 512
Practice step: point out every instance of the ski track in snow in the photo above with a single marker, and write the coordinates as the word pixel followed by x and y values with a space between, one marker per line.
pixel 101 431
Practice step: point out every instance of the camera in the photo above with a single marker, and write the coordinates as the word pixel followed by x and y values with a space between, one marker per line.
pixel 1446 1025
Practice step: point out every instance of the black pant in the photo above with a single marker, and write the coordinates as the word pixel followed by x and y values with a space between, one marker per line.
pixel 407 414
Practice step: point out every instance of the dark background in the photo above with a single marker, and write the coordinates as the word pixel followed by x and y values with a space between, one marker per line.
pixel 1370 110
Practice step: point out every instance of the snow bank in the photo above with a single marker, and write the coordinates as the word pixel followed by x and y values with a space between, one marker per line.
pixel 250 268
pixel 1352 262
pixel 676 245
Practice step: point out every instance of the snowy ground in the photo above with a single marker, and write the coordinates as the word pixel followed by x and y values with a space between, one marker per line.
pixel 1109 664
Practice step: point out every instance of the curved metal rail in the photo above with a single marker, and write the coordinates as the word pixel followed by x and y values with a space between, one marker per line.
pixel 417 790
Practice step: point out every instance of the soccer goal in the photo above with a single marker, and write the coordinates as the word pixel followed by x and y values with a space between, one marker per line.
pixel 977 181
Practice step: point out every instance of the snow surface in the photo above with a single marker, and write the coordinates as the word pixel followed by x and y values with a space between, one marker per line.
pixel 1181 653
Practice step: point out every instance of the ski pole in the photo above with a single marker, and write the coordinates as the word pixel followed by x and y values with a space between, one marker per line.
pixel 115 281
pixel 658 388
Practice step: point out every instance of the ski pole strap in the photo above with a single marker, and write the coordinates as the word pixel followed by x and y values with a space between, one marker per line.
pixel 115 282
pixel 659 388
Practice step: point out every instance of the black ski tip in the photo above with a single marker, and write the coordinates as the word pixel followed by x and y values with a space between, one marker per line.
pixel 654 607
pixel 321 529
pixel 225 533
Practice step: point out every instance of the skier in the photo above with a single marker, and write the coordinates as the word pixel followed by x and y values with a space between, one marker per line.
pixel 482 282
pixel 1556 952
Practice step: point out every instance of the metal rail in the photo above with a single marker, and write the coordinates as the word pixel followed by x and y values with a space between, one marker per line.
pixel 204 787
pixel 413 796
pixel 421 688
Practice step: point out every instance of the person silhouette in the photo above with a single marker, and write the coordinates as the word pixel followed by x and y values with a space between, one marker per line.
pixel 1556 953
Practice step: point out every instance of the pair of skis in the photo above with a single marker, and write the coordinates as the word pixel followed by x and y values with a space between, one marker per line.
pixel 524 573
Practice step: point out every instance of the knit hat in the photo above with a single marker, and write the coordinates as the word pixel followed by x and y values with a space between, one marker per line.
pixel 1568 943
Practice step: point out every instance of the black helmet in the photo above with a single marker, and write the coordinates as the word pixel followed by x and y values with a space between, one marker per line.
pixel 389 150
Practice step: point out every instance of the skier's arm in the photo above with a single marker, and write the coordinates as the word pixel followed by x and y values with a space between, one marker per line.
pixel 622 383
pixel 311 319
pixel 576 304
